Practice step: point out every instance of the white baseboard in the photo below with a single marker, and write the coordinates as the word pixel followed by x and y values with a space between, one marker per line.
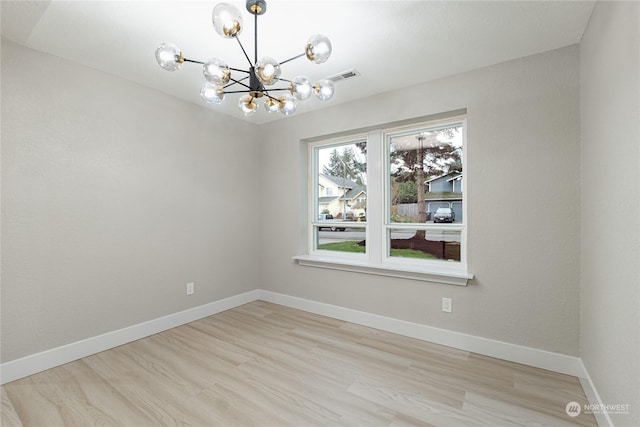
pixel 515 353
pixel 602 418
pixel 39 362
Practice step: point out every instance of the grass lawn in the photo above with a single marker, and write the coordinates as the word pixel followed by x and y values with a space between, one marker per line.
pixel 348 246
pixel 352 246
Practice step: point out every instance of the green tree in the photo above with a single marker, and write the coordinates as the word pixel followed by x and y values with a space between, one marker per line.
pixel 345 165
pixel 403 191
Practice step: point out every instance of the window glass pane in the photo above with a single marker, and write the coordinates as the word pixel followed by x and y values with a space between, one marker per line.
pixel 346 239
pixel 425 244
pixel 425 175
pixel 341 196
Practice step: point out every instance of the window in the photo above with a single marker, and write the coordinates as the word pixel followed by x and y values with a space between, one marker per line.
pixel 340 169
pixel 424 204
pixel 391 202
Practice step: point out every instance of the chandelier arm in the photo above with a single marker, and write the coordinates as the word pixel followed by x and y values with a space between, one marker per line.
pixel 191 60
pixel 238 82
pixel 292 58
pixel 241 71
pixel 270 97
pixel 244 51
pixel 266 93
pixel 237 91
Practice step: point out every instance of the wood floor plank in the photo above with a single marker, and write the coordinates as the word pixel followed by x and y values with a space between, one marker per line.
pixel 501 412
pixel 410 402
pixel 8 416
pixel 402 420
pixel 323 396
pixel 262 364
pixel 70 395
pixel 163 400
pixel 404 344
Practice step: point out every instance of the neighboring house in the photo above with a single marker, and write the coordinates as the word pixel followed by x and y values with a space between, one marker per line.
pixel 443 191
pixel 332 192
pixel 451 182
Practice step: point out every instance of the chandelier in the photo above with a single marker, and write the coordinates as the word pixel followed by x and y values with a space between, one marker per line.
pixel 256 81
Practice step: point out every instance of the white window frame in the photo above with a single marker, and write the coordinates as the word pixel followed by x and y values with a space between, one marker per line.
pixel 376 260
pixel 388 225
pixel 314 172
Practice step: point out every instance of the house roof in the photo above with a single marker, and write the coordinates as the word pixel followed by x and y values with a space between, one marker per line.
pixel 456 173
pixel 339 181
pixel 353 189
pixel 327 199
pixel 356 191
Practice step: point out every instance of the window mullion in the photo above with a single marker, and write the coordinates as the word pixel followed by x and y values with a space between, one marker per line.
pixel 376 242
pixel 313 202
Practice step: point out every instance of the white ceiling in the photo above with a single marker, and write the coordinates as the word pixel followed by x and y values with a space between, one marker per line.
pixel 392 44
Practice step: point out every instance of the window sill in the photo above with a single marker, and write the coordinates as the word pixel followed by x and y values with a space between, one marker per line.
pixel 427 274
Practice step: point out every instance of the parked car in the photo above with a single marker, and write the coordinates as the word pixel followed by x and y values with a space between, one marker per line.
pixel 329 218
pixel 444 215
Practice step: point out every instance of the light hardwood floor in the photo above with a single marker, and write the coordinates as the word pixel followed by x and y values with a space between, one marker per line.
pixel 266 365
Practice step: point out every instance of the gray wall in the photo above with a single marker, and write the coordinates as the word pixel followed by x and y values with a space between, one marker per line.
pixel 522 116
pixel 610 291
pixel 114 196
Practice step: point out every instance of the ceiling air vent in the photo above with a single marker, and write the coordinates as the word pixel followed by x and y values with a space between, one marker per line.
pixel 344 75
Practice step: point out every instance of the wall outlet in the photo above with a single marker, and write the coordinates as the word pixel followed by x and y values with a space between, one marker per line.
pixel 190 288
pixel 447 305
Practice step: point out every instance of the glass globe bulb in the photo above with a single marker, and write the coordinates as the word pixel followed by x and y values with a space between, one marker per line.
pixel 301 88
pixel 289 105
pixel 216 71
pixel 271 105
pixel 324 89
pixel 248 105
pixel 211 93
pixel 318 49
pixel 227 20
pixel 268 71
pixel 169 57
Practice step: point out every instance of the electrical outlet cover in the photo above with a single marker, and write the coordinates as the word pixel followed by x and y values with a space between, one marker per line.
pixel 447 305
